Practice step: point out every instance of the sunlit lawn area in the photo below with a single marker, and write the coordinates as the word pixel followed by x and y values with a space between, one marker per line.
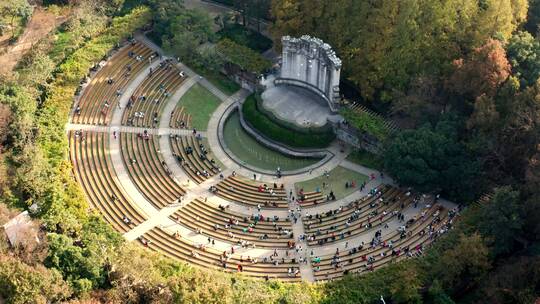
pixel 335 182
pixel 200 103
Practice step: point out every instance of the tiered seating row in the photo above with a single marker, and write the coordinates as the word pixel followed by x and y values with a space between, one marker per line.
pixel 358 218
pixel 145 105
pixel 197 254
pixel 244 191
pixel 104 90
pixel 94 172
pixel 232 228
pixel 180 118
pixel 194 157
pixel 310 198
pixel 408 242
pixel 148 170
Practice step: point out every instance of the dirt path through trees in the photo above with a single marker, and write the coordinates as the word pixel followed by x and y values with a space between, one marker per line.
pixel 40 24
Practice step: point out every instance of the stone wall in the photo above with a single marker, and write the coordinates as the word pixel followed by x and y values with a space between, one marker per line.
pixel 311 63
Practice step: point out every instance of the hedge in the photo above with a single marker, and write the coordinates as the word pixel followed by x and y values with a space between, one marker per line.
pixel 266 126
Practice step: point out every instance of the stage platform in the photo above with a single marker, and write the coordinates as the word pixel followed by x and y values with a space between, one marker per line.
pixel 294 104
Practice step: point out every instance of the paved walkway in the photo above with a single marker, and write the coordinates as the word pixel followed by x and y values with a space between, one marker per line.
pixel 127 129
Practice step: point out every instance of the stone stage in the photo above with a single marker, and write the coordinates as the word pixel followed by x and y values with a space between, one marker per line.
pixel 295 104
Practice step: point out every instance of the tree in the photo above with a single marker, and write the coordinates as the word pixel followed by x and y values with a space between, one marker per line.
pixel 514 281
pixel 386 44
pixel 463 266
pixel 485 117
pixel 524 55
pixel 533 18
pixel 500 222
pixel 437 295
pixel 21 283
pixel 242 56
pixel 404 288
pixel 520 133
pixel 482 73
pixel 432 159
pixel 186 32
pixel 14 9
pixel 210 59
pixel 88 18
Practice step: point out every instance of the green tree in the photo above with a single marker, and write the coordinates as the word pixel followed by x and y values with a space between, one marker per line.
pixel 432 159
pixel 242 56
pixel 13 9
pixel 516 280
pixel 533 18
pixel 22 283
pixel 187 31
pixel 386 44
pixel 524 55
pixel 464 265
pixel 437 295
pixel 404 288
pixel 485 117
pixel 518 137
pixel 500 222
pixel 79 266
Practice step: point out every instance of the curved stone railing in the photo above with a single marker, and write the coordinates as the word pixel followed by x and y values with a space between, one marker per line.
pixel 325 155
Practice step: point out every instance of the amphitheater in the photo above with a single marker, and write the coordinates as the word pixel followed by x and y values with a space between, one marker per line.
pixel 176 190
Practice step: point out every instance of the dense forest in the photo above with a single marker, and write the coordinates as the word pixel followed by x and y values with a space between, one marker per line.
pixel 460 77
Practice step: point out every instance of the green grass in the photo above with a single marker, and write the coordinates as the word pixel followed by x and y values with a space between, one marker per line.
pixel 254 154
pixel 335 182
pixel 366 159
pixel 200 103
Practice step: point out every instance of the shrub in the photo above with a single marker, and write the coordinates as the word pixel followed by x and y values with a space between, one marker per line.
pixel 365 122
